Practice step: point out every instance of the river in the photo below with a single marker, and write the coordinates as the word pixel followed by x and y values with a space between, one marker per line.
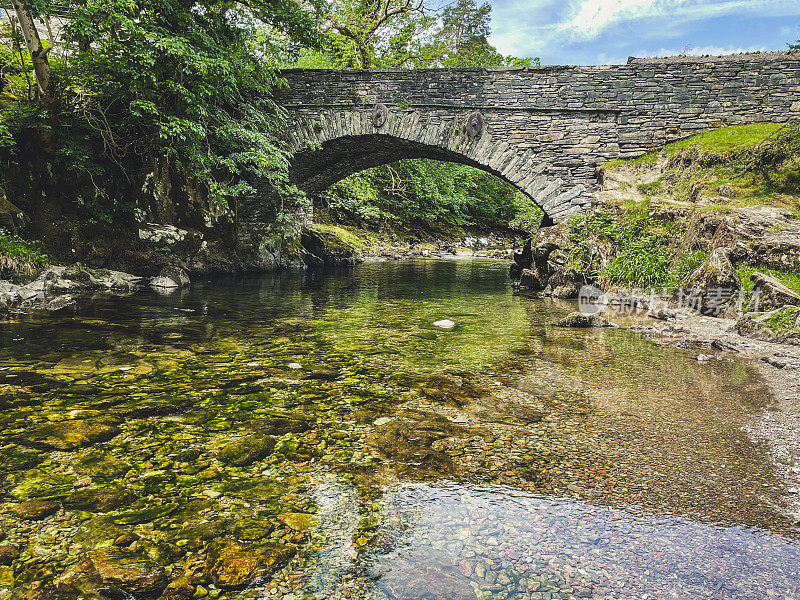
pixel 316 436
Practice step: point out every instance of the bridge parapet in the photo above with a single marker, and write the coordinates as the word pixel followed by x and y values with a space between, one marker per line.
pixel 545 129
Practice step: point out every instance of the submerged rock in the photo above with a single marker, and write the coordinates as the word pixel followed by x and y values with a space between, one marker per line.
pixel 579 320
pixel 100 499
pixel 40 484
pixel 444 324
pixel 69 435
pixel 302 522
pixel 230 564
pixel 34 510
pixel 126 570
pixel 8 554
pixel 247 450
pixel 408 440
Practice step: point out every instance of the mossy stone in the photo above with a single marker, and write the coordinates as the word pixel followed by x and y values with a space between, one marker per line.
pixel 144 515
pixel 128 571
pixel 100 499
pixel 6 577
pixel 8 554
pixel 101 464
pixel 39 484
pixel 69 435
pixel 302 522
pixel 35 510
pixel 247 450
pixel 14 458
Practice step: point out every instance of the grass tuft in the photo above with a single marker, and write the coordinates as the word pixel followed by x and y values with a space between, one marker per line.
pixel 19 258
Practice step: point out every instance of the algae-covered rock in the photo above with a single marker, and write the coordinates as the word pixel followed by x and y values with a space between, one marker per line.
pixel 180 588
pixel 6 577
pixel 302 522
pixel 247 450
pixel 144 515
pixel 14 458
pixel 230 564
pixel 579 320
pixel 40 484
pixel 128 571
pixel 100 499
pixel 69 435
pixel 279 426
pixel 101 464
pixel 34 510
pixel 8 554
pixel 408 440
pixel 98 531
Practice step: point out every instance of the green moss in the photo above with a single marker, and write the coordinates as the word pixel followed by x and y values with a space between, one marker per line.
pixel 782 320
pixel 339 240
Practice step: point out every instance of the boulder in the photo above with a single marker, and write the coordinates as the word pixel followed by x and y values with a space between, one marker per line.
pixel 128 571
pixel 531 279
pixel 755 234
pixel 579 320
pixel 171 277
pixel 772 293
pixel 35 510
pixel 247 450
pixel 713 285
pixel 230 564
pixel 781 325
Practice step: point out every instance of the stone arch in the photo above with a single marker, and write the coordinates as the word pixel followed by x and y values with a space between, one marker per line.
pixel 329 145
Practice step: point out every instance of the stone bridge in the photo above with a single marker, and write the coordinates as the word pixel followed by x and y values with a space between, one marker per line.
pixel 544 129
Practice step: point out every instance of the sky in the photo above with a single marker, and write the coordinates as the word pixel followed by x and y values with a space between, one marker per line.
pixel 592 32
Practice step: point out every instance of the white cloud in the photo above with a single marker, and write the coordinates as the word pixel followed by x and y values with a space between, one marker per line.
pixel 590 18
pixel 699 51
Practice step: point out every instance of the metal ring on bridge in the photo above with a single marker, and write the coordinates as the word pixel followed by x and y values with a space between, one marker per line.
pixel 475 123
pixel 379 115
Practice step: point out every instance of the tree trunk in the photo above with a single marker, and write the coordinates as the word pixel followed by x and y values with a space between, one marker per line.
pixel 41 66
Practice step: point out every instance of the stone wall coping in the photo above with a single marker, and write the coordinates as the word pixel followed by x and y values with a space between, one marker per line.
pixel 776 56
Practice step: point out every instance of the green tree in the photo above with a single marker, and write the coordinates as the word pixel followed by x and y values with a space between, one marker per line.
pixel 365 34
pixel 184 80
pixel 462 39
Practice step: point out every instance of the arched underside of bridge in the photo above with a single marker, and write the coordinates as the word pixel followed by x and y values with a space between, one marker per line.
pixel 325 153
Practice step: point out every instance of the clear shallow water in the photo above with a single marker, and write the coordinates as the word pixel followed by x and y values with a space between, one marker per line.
pixel 505 457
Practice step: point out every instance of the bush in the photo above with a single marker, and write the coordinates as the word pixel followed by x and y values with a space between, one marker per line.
pixel 18 257
pixel 644 250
